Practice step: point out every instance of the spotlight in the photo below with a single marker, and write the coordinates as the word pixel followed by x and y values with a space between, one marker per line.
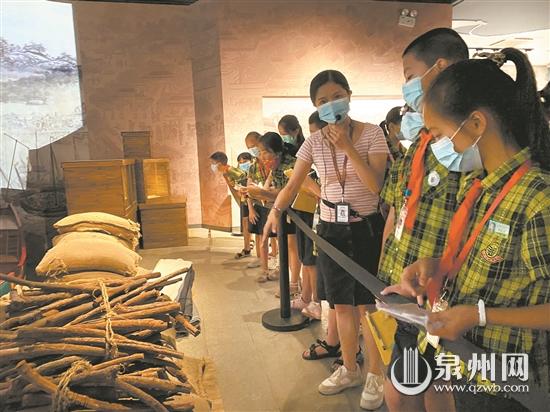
pixel 407 18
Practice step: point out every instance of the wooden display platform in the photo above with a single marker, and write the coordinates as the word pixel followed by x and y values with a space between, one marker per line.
pixel 163 223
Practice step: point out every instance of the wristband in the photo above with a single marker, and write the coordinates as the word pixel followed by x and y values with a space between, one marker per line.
pixel 481 312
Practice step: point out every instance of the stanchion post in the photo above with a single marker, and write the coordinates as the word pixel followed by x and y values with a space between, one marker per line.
pixel 284 319
pixel 284 282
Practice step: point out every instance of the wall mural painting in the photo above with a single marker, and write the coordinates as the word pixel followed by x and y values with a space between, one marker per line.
pixel 40 93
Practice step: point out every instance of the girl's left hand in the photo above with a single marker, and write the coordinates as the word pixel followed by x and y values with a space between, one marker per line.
pixel 453 322
pixel 339 136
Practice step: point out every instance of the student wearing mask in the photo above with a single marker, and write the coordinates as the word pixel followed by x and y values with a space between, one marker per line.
pixel 291 133
pixel 258 174
pixel 420 190
pixel 496 265
pixel 274 156
pixel 391 127
pixel 351 159
pixel 245 160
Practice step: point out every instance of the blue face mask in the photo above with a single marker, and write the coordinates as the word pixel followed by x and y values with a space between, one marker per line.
pixel 244 166
pixel 335 111
pixel 413 93
pixel 468 160
pixel 254 151
pixel 411 124
pixel 289 139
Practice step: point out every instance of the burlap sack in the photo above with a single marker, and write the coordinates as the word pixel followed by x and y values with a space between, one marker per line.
pixel 88 277
pixel 100 222
pixel 88 252
pixel 90 235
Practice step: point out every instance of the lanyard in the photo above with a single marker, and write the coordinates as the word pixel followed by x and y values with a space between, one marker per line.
pixel 451 262
pixel 414 186
pixel 341 176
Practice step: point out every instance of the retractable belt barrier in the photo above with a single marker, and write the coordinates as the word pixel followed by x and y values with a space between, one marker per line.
pixel 535 399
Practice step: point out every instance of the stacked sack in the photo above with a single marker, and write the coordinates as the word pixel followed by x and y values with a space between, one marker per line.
pixel 95 245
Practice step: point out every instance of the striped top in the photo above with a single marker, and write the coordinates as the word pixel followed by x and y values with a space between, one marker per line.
pixel 315 150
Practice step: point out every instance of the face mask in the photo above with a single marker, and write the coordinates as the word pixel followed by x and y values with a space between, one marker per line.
pixel 411 124
pixel 413 93
pixel 214 167
pixel 335 111
pixel 244 166
pixel 289 139
pixel 254 151
pixel 466 161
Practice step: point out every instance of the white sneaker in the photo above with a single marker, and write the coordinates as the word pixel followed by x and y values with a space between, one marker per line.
pixel 254 264
pixel 341 379
pixel 372 397
pixel 313 310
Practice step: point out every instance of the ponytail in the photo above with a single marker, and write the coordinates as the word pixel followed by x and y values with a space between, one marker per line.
pixel 469 85
pixel 538 134
pixel 384 126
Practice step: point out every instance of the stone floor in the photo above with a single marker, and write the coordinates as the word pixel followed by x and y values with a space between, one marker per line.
pixel 257 369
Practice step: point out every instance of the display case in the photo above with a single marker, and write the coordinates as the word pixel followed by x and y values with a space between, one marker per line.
pixel 152 179
pixel 163 223
pixel 101 186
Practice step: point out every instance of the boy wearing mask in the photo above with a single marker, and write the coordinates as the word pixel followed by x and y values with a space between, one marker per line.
pixel 420 190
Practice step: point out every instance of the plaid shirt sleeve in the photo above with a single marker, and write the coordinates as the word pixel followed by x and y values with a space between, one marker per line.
pixel 390 185
pixel 535 248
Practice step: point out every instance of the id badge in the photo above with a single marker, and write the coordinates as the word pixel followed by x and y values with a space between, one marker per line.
pixel 342 212
pixel 401 222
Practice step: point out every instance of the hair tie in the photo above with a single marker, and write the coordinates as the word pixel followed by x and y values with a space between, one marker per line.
pixel 498 58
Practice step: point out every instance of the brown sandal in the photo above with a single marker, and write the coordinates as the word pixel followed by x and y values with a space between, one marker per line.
pixel 332 351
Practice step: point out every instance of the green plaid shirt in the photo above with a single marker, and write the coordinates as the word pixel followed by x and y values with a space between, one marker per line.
pixel 509 264
pixel 236 175
pixel 278 178
pixel 257 173
pixel 435 210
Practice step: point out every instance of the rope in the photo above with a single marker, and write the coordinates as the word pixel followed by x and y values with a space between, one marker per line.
pixel 111 349
pixel 60 401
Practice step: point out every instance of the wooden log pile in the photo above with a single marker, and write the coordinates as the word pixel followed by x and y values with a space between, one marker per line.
pixel 92 345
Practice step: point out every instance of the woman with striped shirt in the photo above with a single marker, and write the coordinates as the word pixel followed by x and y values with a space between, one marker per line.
pixel 350 157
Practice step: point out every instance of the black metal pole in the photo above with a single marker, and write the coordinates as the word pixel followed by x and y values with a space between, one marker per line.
pixel 283 268
pixel 284 319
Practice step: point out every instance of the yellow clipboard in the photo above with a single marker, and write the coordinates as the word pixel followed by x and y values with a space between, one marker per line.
pixel 382 327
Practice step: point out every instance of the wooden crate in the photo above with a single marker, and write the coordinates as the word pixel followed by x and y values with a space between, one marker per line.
pixel 152 179
pixel 163 223
pixel 136 145
pixel 101 186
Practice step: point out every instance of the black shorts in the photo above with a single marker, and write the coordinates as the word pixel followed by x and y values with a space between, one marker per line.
pixel 361 241
pixel 244 210
pixel 406 337
pixel 305 244
pixel 258 227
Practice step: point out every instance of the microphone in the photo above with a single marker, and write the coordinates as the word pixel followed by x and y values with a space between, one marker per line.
pixel 338 117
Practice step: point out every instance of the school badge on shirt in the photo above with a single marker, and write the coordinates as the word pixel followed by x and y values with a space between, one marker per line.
pixel 490 253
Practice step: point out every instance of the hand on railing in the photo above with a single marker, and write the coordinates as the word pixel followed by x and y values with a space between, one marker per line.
pixel 414 279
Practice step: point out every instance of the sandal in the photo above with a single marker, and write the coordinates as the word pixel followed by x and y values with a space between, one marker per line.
pixel 332 351
pixel 242 254
pixel 359 358
pixel 267 276
pixel 295 290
